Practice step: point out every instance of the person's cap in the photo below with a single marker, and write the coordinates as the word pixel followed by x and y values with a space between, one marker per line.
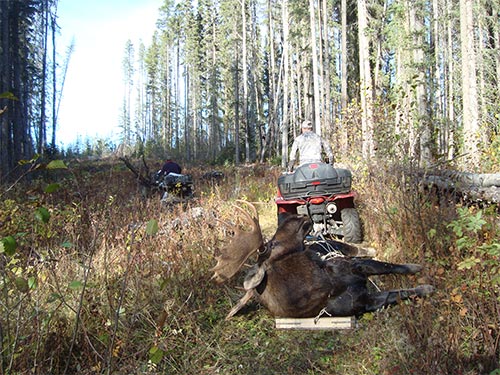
pixel 307 125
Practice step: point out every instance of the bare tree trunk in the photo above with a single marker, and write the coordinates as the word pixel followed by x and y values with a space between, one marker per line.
pixel 244 68
pixel 236 110
pixel 496 47
pixel 343 62
pixel 189 121
pixel 128 77
pixel 422 115
pixel 215 141
pixel 489 67
pixel 42 125
pixel 378 56
pixel 54 82
pixel 69 52
pixel 308 104
pixel 294 98
pixel 482 92
pixel 5 85
pixel 497 56
pixel 286 79
pixel 167 99
pixel 365 83
pixel 469 84
pixel 437 44
pixel 321 60
pixel 271 124
pixel 399 102
pixel 343 78
pixel 450 63
pixel 315 70
pixel 177 96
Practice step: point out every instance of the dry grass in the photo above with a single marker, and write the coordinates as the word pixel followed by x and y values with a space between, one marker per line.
pixel 95 290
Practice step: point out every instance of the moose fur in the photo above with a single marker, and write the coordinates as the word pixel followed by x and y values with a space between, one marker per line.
pixel 291 279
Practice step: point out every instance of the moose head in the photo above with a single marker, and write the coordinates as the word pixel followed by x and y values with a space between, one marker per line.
pixel 291 280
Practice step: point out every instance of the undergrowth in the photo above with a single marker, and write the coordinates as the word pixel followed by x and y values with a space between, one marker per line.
pixel 97 279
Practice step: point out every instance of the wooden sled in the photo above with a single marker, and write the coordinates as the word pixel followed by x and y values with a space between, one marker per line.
pixel 326 323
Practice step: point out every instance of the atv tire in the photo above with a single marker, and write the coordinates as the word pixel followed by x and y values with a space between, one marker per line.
pixel 351 225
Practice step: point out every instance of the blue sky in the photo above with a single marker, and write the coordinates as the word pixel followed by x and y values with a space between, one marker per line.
pixel 93 90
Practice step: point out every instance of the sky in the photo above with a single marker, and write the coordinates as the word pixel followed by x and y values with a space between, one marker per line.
pixel 93 89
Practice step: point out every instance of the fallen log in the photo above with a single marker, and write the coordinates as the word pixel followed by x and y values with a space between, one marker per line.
pixel 482 180
pixel 475 187
pixel 144 180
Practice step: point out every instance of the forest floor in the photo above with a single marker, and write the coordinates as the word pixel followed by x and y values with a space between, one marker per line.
pixel 99 278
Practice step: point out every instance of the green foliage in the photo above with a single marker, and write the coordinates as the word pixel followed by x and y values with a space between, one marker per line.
pixel 56 164
pixel 52 188
pixel 42 214
pixel 152 227
pixel 8 95
pixel 156 355
pixel 8 245
pixel 480 254
pixel 490 158
pixel 467 222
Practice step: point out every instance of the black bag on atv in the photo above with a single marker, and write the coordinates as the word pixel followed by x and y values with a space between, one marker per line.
pixel 173 184
pixel 315 179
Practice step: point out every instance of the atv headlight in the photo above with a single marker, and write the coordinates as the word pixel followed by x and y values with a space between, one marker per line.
pixel 331 208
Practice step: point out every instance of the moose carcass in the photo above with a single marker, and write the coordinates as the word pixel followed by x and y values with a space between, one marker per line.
pixel 291 280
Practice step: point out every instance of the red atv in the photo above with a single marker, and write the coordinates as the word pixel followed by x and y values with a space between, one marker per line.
pixel 323 193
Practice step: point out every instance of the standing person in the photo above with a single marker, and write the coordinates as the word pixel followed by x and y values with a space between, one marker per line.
pixel 170 167
pixel 309 145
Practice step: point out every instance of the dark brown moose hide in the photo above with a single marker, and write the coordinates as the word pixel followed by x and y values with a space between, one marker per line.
pixel 292 279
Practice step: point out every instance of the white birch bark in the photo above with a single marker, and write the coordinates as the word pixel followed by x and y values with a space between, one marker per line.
pixel 469 85
pixel 365 88
pixel 315 73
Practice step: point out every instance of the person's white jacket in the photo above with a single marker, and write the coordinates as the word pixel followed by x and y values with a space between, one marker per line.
pixel 309 145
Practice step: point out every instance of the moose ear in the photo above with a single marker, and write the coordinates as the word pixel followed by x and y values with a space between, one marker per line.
pixel 283 216
pixel 254 277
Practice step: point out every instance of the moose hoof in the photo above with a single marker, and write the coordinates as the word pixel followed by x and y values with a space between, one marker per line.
pixel 425 290
pixel 413 268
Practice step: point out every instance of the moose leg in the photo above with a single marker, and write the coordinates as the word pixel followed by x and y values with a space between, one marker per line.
pixel 352 301
pixel 374 267
pixel 382 299
pixel 242 302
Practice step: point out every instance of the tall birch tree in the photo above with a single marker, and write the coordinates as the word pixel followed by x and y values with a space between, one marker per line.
pixel 128 81
pixel 366 99
pixel 315 67
pixel 469 85
pixel 286 81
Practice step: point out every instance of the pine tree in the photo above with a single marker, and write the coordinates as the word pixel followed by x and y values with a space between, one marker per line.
pixel 128 80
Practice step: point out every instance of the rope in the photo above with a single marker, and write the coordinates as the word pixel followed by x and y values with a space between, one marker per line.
pixel 330 251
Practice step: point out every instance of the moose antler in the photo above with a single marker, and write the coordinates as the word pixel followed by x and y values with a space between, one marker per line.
pixel 241 247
